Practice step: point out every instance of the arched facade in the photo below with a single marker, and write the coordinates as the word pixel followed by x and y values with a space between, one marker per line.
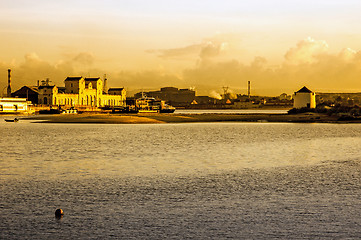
pixel 81 91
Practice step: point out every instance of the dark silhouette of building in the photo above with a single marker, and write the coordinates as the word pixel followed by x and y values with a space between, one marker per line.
pixel 31 93
pixel 172 95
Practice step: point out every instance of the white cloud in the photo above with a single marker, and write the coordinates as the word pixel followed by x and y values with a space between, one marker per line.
pixel 306 51
pixel 347 54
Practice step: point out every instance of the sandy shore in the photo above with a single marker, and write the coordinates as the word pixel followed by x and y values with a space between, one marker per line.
pixel 184 118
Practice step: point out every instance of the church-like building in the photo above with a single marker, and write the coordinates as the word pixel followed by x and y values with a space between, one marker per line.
pixel 80 91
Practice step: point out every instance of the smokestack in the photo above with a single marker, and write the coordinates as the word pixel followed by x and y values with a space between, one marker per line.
pixel 9 83
pixel 249 89
pixel 38 83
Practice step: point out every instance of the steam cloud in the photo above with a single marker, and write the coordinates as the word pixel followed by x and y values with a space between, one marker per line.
pixel 215 95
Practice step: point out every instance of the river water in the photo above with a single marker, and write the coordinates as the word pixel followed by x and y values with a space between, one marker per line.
pixel 180 181
pixel 231 111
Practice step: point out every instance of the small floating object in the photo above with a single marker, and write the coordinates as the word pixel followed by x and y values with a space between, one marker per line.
pixel 12 120
pixel 59 213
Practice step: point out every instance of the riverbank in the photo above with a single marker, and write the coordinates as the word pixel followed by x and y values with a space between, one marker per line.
pixel 186 118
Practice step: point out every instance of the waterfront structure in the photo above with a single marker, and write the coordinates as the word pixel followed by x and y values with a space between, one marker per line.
pixel 80 91
pixel 13 105
pixel 304 98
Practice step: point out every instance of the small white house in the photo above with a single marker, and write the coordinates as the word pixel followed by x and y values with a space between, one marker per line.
pixel 13 105
pixel 304 98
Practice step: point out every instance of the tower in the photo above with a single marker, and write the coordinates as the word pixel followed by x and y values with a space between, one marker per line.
pixel 9 83
pixel 225 93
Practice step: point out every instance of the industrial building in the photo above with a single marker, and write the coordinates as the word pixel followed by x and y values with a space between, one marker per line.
pixel 31 93
pixel 172 95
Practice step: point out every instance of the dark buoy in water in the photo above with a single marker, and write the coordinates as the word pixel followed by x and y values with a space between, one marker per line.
pixel 59 213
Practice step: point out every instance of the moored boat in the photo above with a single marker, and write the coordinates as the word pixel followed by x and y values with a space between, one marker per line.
pixel 167 109
pixel 151 105
pixel 12 120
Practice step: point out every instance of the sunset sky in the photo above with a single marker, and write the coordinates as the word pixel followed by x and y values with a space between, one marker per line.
pixel 279 46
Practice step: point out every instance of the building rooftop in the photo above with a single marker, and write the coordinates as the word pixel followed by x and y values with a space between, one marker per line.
pixel 304 90
pixel 32 88
pixel 73 78
pixel 115 89
pixel 92 78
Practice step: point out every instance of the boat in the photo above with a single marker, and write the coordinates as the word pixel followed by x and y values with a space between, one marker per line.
pixel 167 109
pixel 151 105
pixel 146 105
pixel 126 109
pixel 12 120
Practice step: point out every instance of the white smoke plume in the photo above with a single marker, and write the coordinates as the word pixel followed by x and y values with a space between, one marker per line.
pixel 215 95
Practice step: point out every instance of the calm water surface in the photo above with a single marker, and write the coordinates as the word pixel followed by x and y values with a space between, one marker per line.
pixel 193 181
pixel 231 111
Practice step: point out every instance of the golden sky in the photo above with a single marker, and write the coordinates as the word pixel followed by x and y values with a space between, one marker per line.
pixel 278 45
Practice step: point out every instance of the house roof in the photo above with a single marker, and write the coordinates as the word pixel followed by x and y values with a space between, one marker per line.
pixel 26 89
pixel 33 88
pixel 92 78
pixel 115 89
pixel 304 90
pixel 73 78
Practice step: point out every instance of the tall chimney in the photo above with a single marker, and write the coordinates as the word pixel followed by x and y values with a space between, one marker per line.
pixel 249 89
pixel 9 83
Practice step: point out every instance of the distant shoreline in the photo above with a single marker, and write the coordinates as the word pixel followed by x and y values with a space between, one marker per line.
pixel 155 118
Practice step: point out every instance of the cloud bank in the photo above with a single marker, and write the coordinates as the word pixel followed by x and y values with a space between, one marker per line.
pixel 309 62
pixel 208 48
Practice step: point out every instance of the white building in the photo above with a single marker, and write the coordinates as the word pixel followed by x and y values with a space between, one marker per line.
pixel 80 91
pixel 304 98
pixel 13 105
